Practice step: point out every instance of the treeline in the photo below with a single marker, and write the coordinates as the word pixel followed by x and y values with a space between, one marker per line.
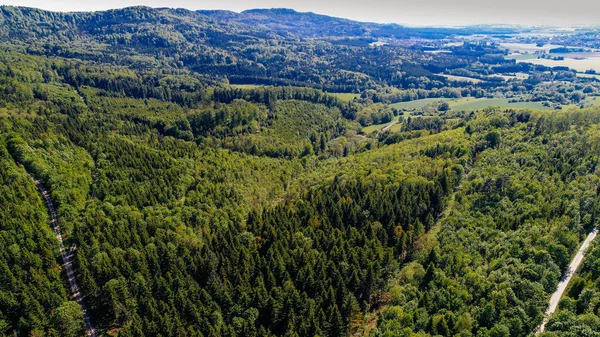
pixel 376 114
pixel 24 77
pixel 346 86
pixel 290 129
pixel 180 88
pixel 431 124
pixel 389 96
pixel 269 95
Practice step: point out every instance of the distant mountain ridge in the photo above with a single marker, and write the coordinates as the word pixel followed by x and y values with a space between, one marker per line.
pixel 308 24
pixel 279 21
pixel 305 24
pixel 259 46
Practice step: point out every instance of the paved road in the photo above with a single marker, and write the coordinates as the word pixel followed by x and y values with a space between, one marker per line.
pixel 67 258
pixel 564 281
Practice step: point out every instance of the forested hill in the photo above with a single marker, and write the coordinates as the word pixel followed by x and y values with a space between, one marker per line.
pixel 263 212
pixel 301 24
pixel 290 22
pixel 301 203
pixel 278 21
pixel 272 47
pixel 28 23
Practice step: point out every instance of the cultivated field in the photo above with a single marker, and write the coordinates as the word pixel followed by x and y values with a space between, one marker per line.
pixel 521 57
pixel 594 101
pixel 528 47
pixel 344 96
pixel 472 104
pixel 517 76
pixel 246 86
pixel 462 79
pixel 580 65
pixel 588 76
pixel 417 104
pixel 372 128
pixel 469 104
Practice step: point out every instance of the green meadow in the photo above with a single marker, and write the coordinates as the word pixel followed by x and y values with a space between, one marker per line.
pixel 344 96
pixel 472 104
pixel 372 128
pixel 417 104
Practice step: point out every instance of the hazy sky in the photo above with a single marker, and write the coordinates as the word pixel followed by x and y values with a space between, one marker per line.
pixel 412 12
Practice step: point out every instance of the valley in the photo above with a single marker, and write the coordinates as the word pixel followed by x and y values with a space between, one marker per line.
pixel 280 173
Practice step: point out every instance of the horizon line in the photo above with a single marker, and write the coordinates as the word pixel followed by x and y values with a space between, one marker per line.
pixel 453 26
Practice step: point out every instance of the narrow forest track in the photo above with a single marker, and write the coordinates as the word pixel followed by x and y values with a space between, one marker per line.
pixel 387 127
pixel 81 97
pixel 565 279
pixel 67 258
pixel 428 241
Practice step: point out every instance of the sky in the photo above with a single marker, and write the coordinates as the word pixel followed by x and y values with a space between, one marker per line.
pixel 408 12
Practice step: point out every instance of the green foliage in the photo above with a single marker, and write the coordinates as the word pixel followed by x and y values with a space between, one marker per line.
pixel 375 114
pixel 199 208
pixel 31 288
pixel 578 312
pixel 517 219
pixel 69 319
pixel 176 237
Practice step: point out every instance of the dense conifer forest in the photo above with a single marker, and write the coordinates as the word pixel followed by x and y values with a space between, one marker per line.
pixel 214 178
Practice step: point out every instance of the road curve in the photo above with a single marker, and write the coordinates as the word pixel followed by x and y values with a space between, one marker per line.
pixel 67 258
pixel 566 278
pixel 387 127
